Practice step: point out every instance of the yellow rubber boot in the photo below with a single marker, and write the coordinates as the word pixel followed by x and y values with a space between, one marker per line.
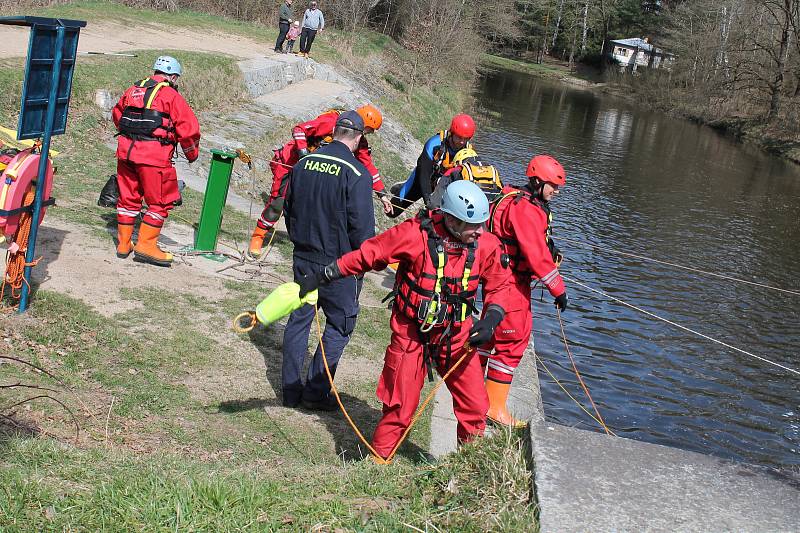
pixel 498 412
pixel 124 244
pixel 147 250
pixel 257 241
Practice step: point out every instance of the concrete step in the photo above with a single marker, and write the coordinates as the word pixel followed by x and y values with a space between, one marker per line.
pixel 307 98
pixel 264 75
pixel 588 481
pixel 272 73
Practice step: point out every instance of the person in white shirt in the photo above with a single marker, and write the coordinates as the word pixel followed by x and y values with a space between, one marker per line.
pixel 313 21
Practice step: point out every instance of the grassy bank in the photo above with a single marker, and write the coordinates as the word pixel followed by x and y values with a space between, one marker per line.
pixel 543 70
pixel 159 450
pixel 551 70
pixel 181 429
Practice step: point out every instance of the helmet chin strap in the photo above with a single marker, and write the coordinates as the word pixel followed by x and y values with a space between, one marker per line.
pixel 537 186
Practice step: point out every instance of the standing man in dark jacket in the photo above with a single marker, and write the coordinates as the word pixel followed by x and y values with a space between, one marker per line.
pixel 328 213
pixel 284 20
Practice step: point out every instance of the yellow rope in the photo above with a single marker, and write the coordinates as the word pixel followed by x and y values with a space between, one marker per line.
pixel 578 374
pixel 421 409
pixel 237 322
pixel 579 404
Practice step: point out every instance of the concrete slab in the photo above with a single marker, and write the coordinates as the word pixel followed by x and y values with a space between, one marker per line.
pixel 443 424
pixel 306 98
pixel 525 399
pixel 588 481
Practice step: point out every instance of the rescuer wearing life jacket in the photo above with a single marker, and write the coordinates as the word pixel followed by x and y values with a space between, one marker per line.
pixel 329 212
pixel 152 119
pixel 436 158
pixel 307 137
pixel 468 166
pixel 442 260
pixel 521 220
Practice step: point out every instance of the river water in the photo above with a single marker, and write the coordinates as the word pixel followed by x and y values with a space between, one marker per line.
pixel 648 184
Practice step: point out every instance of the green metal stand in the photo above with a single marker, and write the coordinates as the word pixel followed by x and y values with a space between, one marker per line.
pixel 219 179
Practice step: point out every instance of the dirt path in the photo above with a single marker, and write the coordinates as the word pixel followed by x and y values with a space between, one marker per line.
pixel 111 37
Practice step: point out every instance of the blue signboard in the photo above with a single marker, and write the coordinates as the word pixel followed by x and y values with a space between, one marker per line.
pixel 36 90
pixel 52 49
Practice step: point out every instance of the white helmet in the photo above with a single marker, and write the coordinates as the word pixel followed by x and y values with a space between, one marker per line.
pixel 167 65
pixel 466 201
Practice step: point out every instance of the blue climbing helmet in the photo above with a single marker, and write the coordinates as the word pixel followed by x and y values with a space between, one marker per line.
pixel 466 201
pixel 168 65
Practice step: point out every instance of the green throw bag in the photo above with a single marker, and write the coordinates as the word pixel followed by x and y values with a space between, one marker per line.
pixel 283 300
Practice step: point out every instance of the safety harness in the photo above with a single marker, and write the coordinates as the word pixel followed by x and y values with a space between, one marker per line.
pixel 512 255
pixel 434 299
pixel 141 123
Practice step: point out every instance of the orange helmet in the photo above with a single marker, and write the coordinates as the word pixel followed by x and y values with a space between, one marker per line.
pixel 545 168
pixel 372 117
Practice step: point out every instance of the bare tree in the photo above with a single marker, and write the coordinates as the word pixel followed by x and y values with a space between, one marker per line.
pixel 558 23
pixel 585 26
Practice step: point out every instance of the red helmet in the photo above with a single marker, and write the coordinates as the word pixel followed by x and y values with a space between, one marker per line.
pixel 546 168
pixel 463 126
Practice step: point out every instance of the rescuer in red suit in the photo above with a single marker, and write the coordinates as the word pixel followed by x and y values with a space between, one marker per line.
pixel 306 137
pixel 521 220
pixel 152 119
pixel 431 319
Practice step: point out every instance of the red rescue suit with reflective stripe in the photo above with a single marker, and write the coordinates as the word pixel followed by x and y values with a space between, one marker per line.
pixel 404 369
pixel 521 222
pixel 314 132
pixel 144 167
pixel 305 135
pixel 180 128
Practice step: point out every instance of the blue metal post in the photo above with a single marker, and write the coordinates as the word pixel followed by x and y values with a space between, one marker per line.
pixel 40 182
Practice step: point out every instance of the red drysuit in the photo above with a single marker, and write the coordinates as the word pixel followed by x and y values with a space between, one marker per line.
pixel 522 225
pixel 308 133
pixel 404 368
pixel 144 167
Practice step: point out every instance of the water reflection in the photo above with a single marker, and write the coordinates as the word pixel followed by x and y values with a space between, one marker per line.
pixel 649 184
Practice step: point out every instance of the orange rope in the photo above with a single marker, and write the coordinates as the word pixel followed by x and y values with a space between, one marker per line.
pixel 15 262
pixel 578 374
pixel 414 419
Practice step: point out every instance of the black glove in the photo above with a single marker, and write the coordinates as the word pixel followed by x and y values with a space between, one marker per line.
pixel 483 329
pixel 302 152
pixel 561 302
pixel 311 281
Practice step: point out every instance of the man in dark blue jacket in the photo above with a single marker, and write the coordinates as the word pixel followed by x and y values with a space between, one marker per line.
pixel 328 213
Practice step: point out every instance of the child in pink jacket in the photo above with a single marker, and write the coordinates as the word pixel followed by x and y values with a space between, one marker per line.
pixel 291 37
